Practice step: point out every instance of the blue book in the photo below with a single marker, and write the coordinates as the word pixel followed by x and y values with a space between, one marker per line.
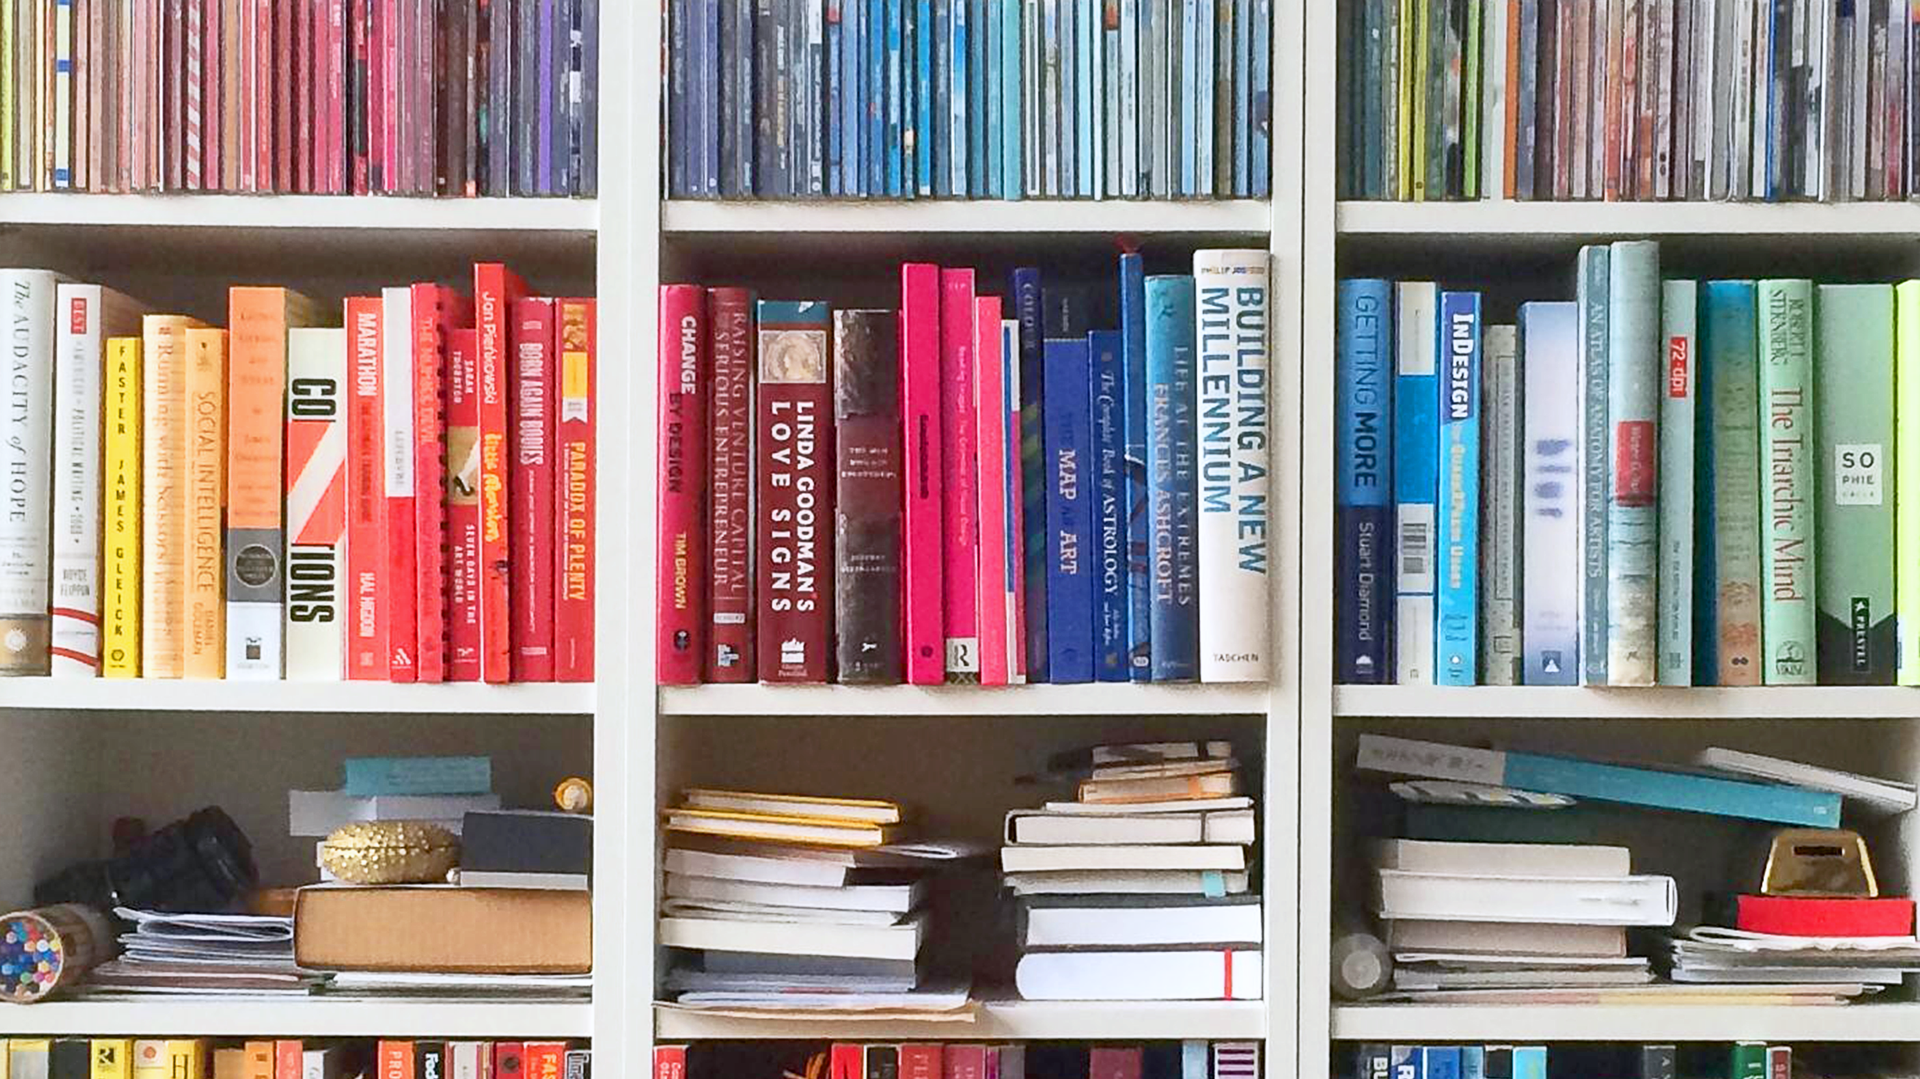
pixel 1070 511
pixel 1473 1062
pixel 923 34
pixel 680 143
pixel 371 776
pixel 1188 96
pixel 727 97
pixel 1529 1062
pixel 737 43
pixel 853 120
pixel 1084 62
pixel 1110 472
pixel 814 115
pixel 874 33
pixel 1629 785
pixel 1204 78
pixel 833 158
pixel 994 29
pixel 1363 502
pixel 1012 77
pixel 1172 364
pixel 1416 479
pixel 941 107
pixel 1407 1062
pixel 1242 93
pixel 899 117
pixel 1260 102
pixel 1033 470
pixel 1441 1062
pixel 1457 597
pixel 1133 380
pixel 708 80
pixel 959 103
pixel 1193 1060
pixel 977 82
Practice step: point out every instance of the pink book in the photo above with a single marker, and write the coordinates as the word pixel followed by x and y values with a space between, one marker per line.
pixel 960 507
pixel 1017 516
pixel 920 563
pixel 990 413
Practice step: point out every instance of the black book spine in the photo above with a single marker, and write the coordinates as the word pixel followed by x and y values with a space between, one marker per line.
pixel 69 1059
pixel 1657 1061
pixel 867 497
pixel 429 1060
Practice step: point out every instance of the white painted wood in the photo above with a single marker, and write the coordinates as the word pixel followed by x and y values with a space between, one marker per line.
pixel 174 695
pixel 1247 217
pixel 1575 702
pixel 1001 1020
pixel 242 1017
pixel 1114 698
pixel 300 212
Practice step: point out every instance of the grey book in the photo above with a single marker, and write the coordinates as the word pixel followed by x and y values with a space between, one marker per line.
pixel 1501 498
pixel 1596 467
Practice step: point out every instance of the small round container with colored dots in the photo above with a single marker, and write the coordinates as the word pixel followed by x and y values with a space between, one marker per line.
pixel 47 949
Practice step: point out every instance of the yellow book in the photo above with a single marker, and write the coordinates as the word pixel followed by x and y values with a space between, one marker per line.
pixel 186 1058
pixel 205 602
pixel 120 525
pixel 777 828
pixel 1906 496
pixel 112 1058
pixel 163 494
pixel 1414 63
pixel 4 1070
pixel 149 1059
pixel 1403 134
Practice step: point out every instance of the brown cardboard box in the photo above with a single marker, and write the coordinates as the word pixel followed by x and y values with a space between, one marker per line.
pixel 444 929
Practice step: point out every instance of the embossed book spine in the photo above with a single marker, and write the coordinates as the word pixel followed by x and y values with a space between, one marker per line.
pixel 794 534
pixel 682 548
pixel 866 502
pixel 730 632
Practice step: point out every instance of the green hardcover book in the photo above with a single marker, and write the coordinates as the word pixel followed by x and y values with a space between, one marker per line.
pixel 1906 496
pixel 1501 499
pixel 1853 429
pixel 1787 547
pixel 1748 1060
pixel 1679 313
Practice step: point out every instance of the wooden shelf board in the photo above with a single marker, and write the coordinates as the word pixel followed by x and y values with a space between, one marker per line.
pixel 1572 220
pixel 270 1016
pixel 998 1020
pixel 1100 698
pixel 1249 217
pixel 1577 702
pixel 175 695
pixel 304 212
pixel 1617 1022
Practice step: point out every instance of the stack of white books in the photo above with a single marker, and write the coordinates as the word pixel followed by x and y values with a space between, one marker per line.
pixel 1138 889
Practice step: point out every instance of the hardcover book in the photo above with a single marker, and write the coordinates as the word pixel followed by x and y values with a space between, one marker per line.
pixel 1416 479
pixel 730 648
pixel 1171 448
pixel 1502 491
pixel 530 490
pixel 163 516
pixel 1456 614
pixel 1033 473
pixel 1596 479
pixel 1679 310
pixel 922 569
pixel 203 606
pixel 367 656
pixel 121 550
pixel 1633 418
pixel 1071 516
pixel 866 498
pixel 1232 297
pixel 27 303
pixel 316 500
pixel 575 490
pixel 1787 551
pixel 959 513
pixel 436 310
pixel 1107 482
pixel 682 548
pixel 1853 401
pixel 398 449
pixel 494 289
pixel 1728 629
pixel 462 468
pixel 1133 347
pixel 994 394
pixel 1364 480
pixel 793 543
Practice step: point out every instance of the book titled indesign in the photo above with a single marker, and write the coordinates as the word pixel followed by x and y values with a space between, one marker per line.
pixel 1456 604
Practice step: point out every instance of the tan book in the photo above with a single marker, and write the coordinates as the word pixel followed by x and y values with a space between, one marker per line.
pixel 163 525
pixel 204 602
pixel 444 929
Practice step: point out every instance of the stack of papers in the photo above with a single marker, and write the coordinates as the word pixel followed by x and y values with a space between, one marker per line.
pixel 204 953
pixel 1717 955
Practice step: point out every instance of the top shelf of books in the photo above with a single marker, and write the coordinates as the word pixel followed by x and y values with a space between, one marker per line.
pixel 306 212
pixel 1224 218
pixel 1589 220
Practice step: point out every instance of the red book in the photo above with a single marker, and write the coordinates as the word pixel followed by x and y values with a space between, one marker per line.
pixel 959 496
pixel 367 656
pixel 966 1062
pixel 794 518
pixel 287 1058
pixel 283 77
pixel 494 289
pixel 1779 1062
pixel 730 647
pixel 680 573
pixel 1807 916
pixel 463 509
pixel 1113 1062
pixel 574 494
pixel 370 51
pixel 399 584
pixel 845 1060
pixel 209 76
pixel 396 1060
pixel 670 1062
pixel 530 503
pixel 298 16
pixel 990 419
pixel 437 310
pixel 921 1061
pixel 544 1060
pixel 263 94
pixel 509 1060
pixel 920 562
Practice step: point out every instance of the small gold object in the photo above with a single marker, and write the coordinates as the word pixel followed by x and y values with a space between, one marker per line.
pixel 1819 862
pixel 390 852
pixel 574 795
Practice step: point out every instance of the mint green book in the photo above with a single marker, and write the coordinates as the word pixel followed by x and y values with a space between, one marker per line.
pixel 1853 427
pixel 1787 545
pixel 1679 318
pixel 1906 496
pixel 1634 379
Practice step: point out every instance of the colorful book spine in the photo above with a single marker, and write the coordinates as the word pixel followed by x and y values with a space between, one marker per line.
pixel 1071 516
pixel 1033 512
pixel 1171 450
pixel 163 491
pixel 462 469
pixel 1108 482
pixel 1727 627
pixel 1597 461
pixel 793 542
pixel 1906 497
pixel 204 603
pixel 494 290
pixel 1456 599
pixel 682 548
pixel 1633 420
pixel 530 487
pixel 960 506
pixel 1133 346
pixel 1853 410
pixel 1550 569
pixel 922 585
pixel 316 486
pixel 397 390
pixel 866 499
pixel 1680 351
pixel 1416 479
pixel 121 547
pixel 1787 553
pixel 730 648
pixel 574 490
pixel 368 658
pixel 1233 298
pixel 997 638
pixel 1363 440
pixel 1501 520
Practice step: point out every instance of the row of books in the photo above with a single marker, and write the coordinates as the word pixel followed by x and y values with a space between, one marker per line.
pixel 1662 482
pixel 209 1058
pixel 332 97
pixel 1083 504
pixel 1617 99
pixel 282 499
pixel 983 99
pixel 962 1060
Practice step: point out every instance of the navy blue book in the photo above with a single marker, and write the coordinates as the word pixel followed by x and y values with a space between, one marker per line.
pixel 1033 470
pixel 706 93
pixel 729 102
pixel 1133 382
pixel 679 129
pixel 740 14
pixel 1070 511
pixel 899 108
pixel 1110 505
pixel 1173 552
pixel 1363 467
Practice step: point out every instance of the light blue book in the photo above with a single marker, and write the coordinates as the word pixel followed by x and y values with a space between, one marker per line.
pixel 1068 29
pixel 1529 1062
pixel 1473 1062
pixel 1204 77
pixel 991 75
pixel 1086 85
pixel 1050 116
pixel 1127 182
pixel 1013 76
pixel 1626 784
pixel 1260 102
pixel 899 164
pixel 978 80
pixel 1189 95
pixel 1635 375
pixel 923 108
pixel 874 33
pixel 1193 1060
pixel 372 776
pixel 1550 532
pixel 1416 478
pixel 1595 463
pixel 959 53
pixel 1457 592
pixel 1242 95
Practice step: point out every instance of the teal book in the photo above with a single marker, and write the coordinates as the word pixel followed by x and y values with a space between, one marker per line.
pixel 1596 463
pixel 1529 1062
pixel 1853 526
pixel 1633 425
pixel 368 776
pixel 1727 571
pixel 1679 307
pixel 1787 547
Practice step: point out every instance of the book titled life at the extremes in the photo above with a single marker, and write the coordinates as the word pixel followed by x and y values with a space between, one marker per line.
pixel 866 429
pixel 1456 604
pixel 1364 481
pixel 1787 548
pixel 1175 609
pixel 794 538
pixel 1853 404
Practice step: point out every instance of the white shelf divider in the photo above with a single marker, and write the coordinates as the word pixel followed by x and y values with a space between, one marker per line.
pixel 1893 1022
pixel 1098 698
pixel 299 212
pixel 1546 220
pixel 331 1017
pixel 1248 217
pixel 1579 702
pixel 999 1021
pixel 179 695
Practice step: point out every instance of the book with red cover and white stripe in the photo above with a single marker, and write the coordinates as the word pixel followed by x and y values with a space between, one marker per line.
pixel 680 581
pixel 494 289
pixel 437 311
pixel 921 583
pixel 730 628
pixel 959 501
pixel 530 490
pixel 574 488
pixel 399 580
pixel 316 486
pixel 367 655
pixel 463 508
pixel 990 415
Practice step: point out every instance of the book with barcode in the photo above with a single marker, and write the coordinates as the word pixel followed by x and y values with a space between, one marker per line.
pixel 1416 478
pixel 1364 481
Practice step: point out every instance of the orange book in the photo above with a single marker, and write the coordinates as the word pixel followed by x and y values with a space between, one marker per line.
pixel 543 1060
pixel 287 1058
pixel 163 510
pixel 204 600
pixel 494 289
pixel 255 564
pixel 260 1060
pixel 394 1060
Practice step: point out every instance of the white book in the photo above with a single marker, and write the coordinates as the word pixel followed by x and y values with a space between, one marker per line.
pixel 1127 921
pixel 469 1060
pixel 1234 417
pixel 1887 793
pixel 1679 302
pixel 793 805
pixel 27 319
pixel 1154 752
pixel 316 499
pixel 1129 882
pixel 319 1063
pixel 1502 859
pixel 1493 101
pixel 1230 826
pixel 321 813
pixel 760 869
pixel 1553 463
pixel 538 882
pixel 90 314
pixel 897 898
pixel 1505 938
pixel 1233 974
pixel 733 911
pixel 1415 385
pixel 1186 805
pixel 1077 859
pixel 396 443
pixel 897 942
pixel 1641 900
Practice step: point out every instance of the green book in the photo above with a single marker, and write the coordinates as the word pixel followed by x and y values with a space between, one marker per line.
pixel 1727 580
pixel 1748 1060
pixel 1470 105
pixel 1853 428
pixel 1787 545
pixel 1635 375
pixel 1502 496
pixel 1906 497
pixel 1679 314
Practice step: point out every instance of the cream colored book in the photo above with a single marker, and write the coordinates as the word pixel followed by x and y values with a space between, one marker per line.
pixel 164 495
pixel 204 601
